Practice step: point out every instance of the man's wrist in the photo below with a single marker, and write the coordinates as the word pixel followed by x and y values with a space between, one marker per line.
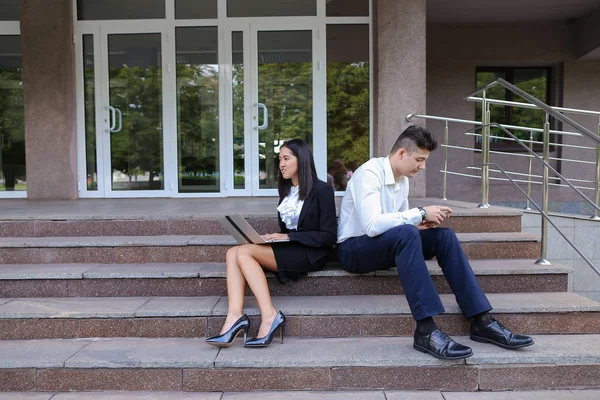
pixel 423 213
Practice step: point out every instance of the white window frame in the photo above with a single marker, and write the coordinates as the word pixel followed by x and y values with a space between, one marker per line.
pixel 225 25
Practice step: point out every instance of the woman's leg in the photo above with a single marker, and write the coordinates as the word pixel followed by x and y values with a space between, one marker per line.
pixel 236 286
pixel 251 258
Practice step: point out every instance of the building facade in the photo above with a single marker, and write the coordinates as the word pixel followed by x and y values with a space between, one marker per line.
pixel 193 98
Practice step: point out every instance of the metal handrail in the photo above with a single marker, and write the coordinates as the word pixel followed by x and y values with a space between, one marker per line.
pixel 573 146
pixel 547 218
pixel 541 105
pixel 546 164
pixel 485 126
pixel 409 117
pixel 527 105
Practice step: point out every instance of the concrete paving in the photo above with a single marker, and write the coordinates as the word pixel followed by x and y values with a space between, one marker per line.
pixel 145 271
pixel 145 353
pixel 151 209
pixel 294 353
pixel 38 353
pixel 218 270
pixel 45 271
pixel 129 307
pixel 178 307
pixel 313 395
pixel 203 240
pixel 73 307
pixel 137 396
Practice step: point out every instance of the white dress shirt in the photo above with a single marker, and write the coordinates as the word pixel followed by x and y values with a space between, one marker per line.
pixel 375 202
pixel 290 208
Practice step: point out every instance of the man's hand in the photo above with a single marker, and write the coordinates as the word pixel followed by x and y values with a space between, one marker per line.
pixel 425 225
pixel 437 214
pixel 275 236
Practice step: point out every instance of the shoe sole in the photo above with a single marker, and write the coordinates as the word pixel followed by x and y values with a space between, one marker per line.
pixel 485 340
pixel 424 350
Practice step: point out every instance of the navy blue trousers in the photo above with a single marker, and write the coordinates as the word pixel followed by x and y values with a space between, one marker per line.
pixel 406 247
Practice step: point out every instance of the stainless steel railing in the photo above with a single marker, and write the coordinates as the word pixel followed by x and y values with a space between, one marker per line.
pixel 546 217
pixel 485 125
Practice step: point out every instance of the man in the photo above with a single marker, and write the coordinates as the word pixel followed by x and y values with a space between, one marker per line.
pixel 377 230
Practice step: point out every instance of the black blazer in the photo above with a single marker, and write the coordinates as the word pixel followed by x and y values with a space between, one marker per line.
pixel 317 223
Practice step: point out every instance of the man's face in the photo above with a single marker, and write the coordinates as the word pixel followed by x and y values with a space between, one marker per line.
pixel 408 164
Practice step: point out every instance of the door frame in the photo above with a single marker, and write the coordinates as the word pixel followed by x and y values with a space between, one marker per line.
pixel 225 25
pixel 250 28
pixel 100 33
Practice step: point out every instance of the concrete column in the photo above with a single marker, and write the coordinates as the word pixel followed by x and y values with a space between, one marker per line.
pixel 49 91
pixel 400 78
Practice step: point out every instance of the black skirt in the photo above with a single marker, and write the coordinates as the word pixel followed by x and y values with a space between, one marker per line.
pixel 292 261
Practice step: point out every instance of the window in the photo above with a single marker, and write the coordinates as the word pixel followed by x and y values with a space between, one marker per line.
pixel 9 10
pixel 120 9
pixel 533 80
pixel 348 105
pixel 12 116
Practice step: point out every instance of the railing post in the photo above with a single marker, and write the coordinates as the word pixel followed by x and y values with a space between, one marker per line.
pixel 485 152
pixel 595 216
pixel 527 207
pixel 545 193
pixel 445 160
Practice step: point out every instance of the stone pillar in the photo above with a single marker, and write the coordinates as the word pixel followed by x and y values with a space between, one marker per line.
pixel 400 76
pixel 49 92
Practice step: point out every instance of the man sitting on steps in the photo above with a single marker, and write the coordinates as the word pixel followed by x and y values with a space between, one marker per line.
pixel 377 230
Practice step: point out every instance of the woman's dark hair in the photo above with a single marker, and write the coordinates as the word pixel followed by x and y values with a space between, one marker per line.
pixel 306 169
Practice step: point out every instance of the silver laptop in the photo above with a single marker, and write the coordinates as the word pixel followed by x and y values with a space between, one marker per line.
pixel 242 231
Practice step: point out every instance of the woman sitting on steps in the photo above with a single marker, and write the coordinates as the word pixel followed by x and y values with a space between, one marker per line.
pixel 307 218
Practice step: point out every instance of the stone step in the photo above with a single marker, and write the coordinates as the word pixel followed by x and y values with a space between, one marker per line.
pixel 326 316
pixel 575 394
pixel 554 362
pixel 187 248
pixel 165 225
pixel 208 279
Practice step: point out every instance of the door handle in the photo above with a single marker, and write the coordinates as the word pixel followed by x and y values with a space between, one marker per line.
pixel 114 112
pixel 120 121
pixel 265 123
pixel 112 117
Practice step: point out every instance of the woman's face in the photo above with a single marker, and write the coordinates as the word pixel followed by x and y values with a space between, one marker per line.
pixel 288 164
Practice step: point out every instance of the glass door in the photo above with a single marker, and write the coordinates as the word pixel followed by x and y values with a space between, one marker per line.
pixel 272 100
pixel 282 98
pixel 132 115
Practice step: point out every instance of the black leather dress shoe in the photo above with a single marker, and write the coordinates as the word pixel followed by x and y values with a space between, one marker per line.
pixel 440 345
pixel 495 333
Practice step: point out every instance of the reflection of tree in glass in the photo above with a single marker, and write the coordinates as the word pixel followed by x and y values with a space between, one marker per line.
pixel 286 90
pixel 12 129
pixel 137 149
pixel 347 115
pixel 238 125
pixel 534 82
pixel 198 126
pixel 90 124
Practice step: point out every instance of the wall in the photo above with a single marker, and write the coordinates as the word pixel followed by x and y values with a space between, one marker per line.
pixel 584 233
pixel 454 52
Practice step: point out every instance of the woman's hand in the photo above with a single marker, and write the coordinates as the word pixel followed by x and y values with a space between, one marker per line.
pixel 275 236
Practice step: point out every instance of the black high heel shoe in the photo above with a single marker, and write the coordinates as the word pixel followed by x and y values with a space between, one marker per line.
pixel 278 322
pixel 226 339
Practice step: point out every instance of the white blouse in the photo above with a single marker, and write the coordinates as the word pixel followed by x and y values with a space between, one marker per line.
pixel 290 208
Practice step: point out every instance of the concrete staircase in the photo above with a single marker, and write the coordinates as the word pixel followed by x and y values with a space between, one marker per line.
pixel 105 304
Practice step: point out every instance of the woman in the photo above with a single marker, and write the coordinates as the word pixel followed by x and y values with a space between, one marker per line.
pixel 307 219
